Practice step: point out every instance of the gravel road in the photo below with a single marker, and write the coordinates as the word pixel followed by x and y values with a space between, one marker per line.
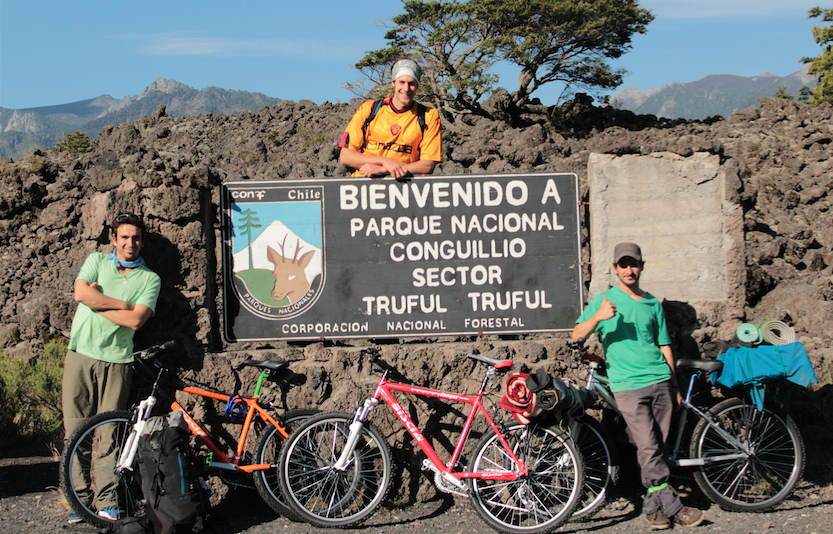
pixel 30 503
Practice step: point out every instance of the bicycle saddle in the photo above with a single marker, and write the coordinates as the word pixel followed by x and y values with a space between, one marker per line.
pixel 499 365
pixel 272 366
pixel 708 366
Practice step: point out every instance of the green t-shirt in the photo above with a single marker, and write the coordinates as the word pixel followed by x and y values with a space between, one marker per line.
pixel 631 340
pixel 97 337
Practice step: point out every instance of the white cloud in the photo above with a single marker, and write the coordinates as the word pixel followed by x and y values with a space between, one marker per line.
pixel 199 46
pixel 729 8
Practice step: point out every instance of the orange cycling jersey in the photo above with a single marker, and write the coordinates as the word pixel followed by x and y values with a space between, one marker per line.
pixel 395 134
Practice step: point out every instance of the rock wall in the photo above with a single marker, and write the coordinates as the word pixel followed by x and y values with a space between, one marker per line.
pixel 54 209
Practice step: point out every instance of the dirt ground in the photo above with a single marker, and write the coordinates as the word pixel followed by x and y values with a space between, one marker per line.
pixel 30 503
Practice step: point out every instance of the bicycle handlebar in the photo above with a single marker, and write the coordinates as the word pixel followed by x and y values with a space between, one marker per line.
pixel 150 352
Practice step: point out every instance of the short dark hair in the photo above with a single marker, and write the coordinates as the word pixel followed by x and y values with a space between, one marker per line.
pixel 128 218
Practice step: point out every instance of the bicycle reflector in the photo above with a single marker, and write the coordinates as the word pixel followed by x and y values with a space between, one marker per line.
pixel 236 408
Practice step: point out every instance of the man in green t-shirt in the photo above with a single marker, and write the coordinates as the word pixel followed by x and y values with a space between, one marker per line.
pixel 116 295
pixel 640 366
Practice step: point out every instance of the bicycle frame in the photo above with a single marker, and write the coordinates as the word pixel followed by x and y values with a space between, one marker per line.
pixel 224 462
pixel 384 391
pixel 600 385
pixel 689 407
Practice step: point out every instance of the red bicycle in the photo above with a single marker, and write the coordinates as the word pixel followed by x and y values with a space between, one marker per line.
pixel 336 468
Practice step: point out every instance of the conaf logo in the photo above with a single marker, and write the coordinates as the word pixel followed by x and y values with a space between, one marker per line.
pixel 278 255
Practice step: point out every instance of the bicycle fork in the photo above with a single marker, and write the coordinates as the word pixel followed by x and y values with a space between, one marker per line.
pixel 355 431
pixel 131 445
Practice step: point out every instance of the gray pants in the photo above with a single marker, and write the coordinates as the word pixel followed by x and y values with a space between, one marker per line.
pixel 90 387
pixel 648 411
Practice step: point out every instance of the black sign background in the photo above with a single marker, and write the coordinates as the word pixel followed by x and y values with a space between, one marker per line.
pixel 469 254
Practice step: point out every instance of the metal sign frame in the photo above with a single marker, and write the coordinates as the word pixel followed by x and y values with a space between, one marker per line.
pixel 376 258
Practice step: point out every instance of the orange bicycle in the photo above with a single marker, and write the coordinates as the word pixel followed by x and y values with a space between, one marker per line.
pixel 97 464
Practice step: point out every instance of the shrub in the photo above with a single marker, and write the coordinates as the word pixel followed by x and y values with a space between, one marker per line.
pixel 76 143
pixel 30 393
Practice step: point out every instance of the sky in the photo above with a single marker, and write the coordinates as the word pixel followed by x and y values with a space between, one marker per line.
pixel 57 52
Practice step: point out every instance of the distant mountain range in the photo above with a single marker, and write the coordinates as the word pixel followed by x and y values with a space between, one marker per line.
pixel 716 94
pixel 25 129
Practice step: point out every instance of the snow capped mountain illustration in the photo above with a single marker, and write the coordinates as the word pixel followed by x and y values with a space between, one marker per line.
pixel 284 241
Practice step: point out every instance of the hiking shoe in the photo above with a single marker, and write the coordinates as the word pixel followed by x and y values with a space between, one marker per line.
pixel 658 521
pixel 111 512
pixel 74 518
pixel 689 517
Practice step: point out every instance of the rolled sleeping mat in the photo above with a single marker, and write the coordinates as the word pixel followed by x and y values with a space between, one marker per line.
pixel 748 333
pixel 776 333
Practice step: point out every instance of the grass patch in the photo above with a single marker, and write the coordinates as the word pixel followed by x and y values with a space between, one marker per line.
pixel 30 395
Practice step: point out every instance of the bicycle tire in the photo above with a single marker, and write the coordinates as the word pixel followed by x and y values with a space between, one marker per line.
pixel 267 451
pixel 81 481
pixel 601 467
pixel 325 497
pixel 539 502
pixel 771 472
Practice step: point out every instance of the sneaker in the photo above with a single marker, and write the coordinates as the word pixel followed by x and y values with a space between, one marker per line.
pixel 689 517
pixel 74 518
pixel 658 521
pixel 111 512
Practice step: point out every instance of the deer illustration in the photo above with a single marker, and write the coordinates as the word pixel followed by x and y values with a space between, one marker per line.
pixel 290 279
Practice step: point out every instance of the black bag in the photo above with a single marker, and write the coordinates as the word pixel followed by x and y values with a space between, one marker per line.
pixel 552 393
pixel 175 499
pixel 133 525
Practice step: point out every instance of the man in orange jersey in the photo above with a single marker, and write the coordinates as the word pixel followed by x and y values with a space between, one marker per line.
pixel 397 137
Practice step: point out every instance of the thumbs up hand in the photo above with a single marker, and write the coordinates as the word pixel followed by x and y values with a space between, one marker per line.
pixel 607 310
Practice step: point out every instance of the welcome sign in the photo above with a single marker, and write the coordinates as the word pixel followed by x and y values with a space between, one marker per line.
pixel 375 258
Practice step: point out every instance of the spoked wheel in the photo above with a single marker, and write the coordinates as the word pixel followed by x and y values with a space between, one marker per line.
pixel 535 503
pixel 268 451
pixel 601 466
pixel 323 495
pixel 88 479
pixel 773 464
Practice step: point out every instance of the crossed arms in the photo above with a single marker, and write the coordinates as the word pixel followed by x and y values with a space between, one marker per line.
pixel 117 311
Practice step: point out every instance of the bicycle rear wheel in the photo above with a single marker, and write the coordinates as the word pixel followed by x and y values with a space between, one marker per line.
pixel 328 497
pixel 87 476
pixel 770 472
pixel 267 451
pixel 601 466
pixel 535 503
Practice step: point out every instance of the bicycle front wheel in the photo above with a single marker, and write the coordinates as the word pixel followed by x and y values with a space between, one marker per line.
pixel 772 466
pixel 267 451
pixel 87 477
pixel 601 466
pixel 328 497
pixel 538 502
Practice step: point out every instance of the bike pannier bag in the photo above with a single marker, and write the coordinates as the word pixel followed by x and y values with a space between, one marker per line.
pixel 176 500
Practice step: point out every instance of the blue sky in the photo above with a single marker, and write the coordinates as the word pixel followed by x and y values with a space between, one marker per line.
pixel 56 51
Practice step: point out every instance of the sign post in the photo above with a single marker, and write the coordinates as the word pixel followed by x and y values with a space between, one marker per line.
pixel 369 258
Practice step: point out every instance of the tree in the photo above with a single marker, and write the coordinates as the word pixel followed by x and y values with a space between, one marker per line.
pixel 458 43
pixel 76 143
pixel 781 92
pixel 822 65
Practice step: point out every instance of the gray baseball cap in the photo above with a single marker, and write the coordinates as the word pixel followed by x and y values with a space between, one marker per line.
pixel 630 250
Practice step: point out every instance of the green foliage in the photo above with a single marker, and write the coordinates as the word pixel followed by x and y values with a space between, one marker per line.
pixel 822 65
pixel 458 42
pixel 76 143
pixel 30 393
pixel 314 136
pixel 781 92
